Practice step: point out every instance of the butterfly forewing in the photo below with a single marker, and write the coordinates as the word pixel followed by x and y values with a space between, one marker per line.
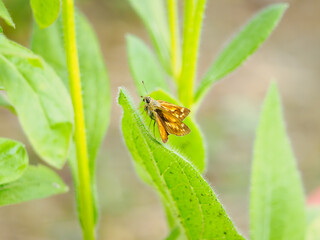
pixel 177 111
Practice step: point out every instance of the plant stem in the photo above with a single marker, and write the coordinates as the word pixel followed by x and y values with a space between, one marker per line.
pixel 175 39
pixel 185 85
pixel 191 38
pixel 85 195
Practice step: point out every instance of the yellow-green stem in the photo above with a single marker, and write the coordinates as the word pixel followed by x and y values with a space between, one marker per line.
pixel 185 85
pixel 85 195
pixel 175 39
pixel 191 37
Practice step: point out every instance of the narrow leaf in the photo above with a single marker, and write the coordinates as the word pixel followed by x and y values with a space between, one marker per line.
pixel 4 14
pixel 145 67
pixel 45 11
pixel 245 43
pixel 40 99
pixel 13 160
pixel 276 191
pixel 190 146
pixel 94 80
pixel 37 182
pixel 174 234
pixel 153 15
pixel 94 77
pixel 10 48
pixel 189 197
pixel 48 43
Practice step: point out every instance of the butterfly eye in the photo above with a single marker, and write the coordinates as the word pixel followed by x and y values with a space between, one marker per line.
pixel 147 100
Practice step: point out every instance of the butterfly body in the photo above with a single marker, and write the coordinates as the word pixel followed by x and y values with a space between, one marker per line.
pixel 168 117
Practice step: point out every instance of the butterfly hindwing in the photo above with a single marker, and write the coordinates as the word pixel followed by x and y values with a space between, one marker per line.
pixel 162 129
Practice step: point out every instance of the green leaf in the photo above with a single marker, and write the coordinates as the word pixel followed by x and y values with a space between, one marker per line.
pixel 190 146
pixel 45 11
pixel 4 102
pixel 37 182
pixel 4 14
pixel 242 46
pixel 313 226
pixel 189 197
pixel 174 234
pixel 10 48
pixel 48 43
pixel 94 79
pixel 144 67
pixel 41 101
pixel 13 160
pixel 153 15
pixel 276 190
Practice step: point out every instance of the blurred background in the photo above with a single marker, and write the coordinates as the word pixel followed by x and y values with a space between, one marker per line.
pixel 228 117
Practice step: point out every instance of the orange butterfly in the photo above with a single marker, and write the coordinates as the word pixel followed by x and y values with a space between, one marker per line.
pixel 168 117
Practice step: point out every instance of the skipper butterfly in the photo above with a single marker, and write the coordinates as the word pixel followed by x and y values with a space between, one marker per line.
pixel 168 117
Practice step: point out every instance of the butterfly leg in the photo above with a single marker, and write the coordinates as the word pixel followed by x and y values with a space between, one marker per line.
pixel 144 119
pixel 149 123
pixel 140 107
pixel 154 127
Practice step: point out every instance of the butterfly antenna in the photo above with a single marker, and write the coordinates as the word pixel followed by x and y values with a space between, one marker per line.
pixel 145 88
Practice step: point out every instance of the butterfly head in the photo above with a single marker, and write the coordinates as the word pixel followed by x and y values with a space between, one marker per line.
pixel 147 100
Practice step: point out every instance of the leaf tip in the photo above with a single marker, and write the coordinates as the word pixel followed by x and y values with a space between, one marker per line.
pixel 11 23
pixel 61 187
pixel 273 89
pixel 120 91
pixel 121 95
pixel 129 36
pixel 283 6
pixel 279 7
